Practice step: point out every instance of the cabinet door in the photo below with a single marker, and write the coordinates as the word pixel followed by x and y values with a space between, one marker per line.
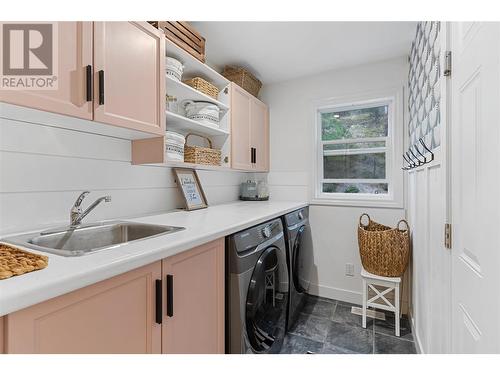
pixel 240 128
pixel 113 316
pixel 259 120
pixel 1 335
pixel 129 75
pixel 196 298
pixel 74 54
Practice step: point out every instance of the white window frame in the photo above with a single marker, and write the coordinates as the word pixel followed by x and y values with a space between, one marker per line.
pixel 393 148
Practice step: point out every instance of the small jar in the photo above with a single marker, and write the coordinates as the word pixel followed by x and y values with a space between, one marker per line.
pixel 262 190
pixel 172 105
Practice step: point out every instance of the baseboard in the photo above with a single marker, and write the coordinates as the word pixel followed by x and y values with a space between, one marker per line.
pixel 418 344
pixel 335 293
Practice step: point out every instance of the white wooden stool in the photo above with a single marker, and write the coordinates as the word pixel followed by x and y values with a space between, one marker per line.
pixel 372 281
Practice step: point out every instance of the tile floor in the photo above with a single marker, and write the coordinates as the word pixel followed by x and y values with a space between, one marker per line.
pixel 328 326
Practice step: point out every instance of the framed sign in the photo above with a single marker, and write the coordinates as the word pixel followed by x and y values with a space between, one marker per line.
pixel 189 183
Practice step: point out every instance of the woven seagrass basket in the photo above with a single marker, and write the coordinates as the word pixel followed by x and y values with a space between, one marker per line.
pixel 203 86
pixel 384 251
pixel 201 155
pixel 243 78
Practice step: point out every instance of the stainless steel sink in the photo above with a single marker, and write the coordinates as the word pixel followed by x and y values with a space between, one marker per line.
pixel 86 239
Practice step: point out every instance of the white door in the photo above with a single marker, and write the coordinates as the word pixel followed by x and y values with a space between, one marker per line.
pixel 475 180
pixel 428 211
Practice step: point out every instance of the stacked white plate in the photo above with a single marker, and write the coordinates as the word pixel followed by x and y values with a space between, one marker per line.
pixel 174 146
pixel 174 68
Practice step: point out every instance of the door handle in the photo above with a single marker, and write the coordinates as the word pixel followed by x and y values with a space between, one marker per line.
pixel 170 295
pixel 88 72
pixel 158 294
pixel 101 87
pixel 255 155
pixel 252 155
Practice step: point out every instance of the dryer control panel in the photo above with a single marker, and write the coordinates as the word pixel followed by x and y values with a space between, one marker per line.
pixel 249 239
pixel 298 216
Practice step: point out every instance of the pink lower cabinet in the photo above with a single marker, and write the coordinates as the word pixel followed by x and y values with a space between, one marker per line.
pixel 175 305
pixel 194 298
pixel 117 315
pixel 2 344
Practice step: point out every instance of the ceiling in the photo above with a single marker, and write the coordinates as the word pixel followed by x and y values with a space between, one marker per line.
pixel 280 51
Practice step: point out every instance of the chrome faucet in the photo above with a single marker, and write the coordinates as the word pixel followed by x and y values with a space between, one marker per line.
pixel 76 214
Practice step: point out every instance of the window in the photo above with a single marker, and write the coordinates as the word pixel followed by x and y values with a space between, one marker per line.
pixel 355 151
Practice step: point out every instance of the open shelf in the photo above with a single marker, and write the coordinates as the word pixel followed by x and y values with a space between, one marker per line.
pixel 184 92
pixel 180 123
pixel 194 67
pixel 204 167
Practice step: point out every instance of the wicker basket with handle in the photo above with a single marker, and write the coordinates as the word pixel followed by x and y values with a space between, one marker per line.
pixel 203 86
pixel 243 78
pixel 384 251
pixel 201 155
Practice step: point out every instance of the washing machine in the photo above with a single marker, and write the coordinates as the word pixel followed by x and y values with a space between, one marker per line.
pixel 256 289
pixel 299 260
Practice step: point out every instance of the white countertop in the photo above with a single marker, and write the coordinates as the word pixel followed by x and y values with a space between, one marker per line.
pixel 65 274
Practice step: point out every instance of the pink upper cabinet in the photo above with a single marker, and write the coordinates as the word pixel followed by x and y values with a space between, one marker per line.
pixel 74 58
pixel 240 128
pixel 129 75
pixel 249 131
pixel 259 118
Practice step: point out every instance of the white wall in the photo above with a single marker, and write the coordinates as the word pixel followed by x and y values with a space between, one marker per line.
pixel 43 169
pixel 333 228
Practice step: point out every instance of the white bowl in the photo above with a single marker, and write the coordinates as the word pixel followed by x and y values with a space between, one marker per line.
pixel 204 112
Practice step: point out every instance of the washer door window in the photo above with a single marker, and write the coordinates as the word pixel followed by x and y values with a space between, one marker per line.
pixel 266 303
pixel 297 259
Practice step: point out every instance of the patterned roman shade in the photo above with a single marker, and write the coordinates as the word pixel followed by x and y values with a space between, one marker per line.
pixel 424 82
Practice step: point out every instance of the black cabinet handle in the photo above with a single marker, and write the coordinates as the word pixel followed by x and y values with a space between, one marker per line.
pixel 101 87
pixel 88 72
pixel 255 155
pixel 158 294
pixel 170 295
pixel 252 155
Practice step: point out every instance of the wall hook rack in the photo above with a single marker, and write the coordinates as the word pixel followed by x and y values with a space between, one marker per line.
pixel 409 166
pixel 413 160
pixel 426 149
pixel 418 151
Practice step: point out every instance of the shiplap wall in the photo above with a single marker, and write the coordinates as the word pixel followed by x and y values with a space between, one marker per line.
pixel 43 169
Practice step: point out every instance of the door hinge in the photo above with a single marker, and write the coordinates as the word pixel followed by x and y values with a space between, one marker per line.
pixel 447 64
pixel 447 236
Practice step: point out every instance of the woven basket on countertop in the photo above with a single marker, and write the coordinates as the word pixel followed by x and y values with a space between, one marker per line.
pixel 203 86
pixel 201 155
pixel 243 78
pixel 384 251
pixel 14 261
